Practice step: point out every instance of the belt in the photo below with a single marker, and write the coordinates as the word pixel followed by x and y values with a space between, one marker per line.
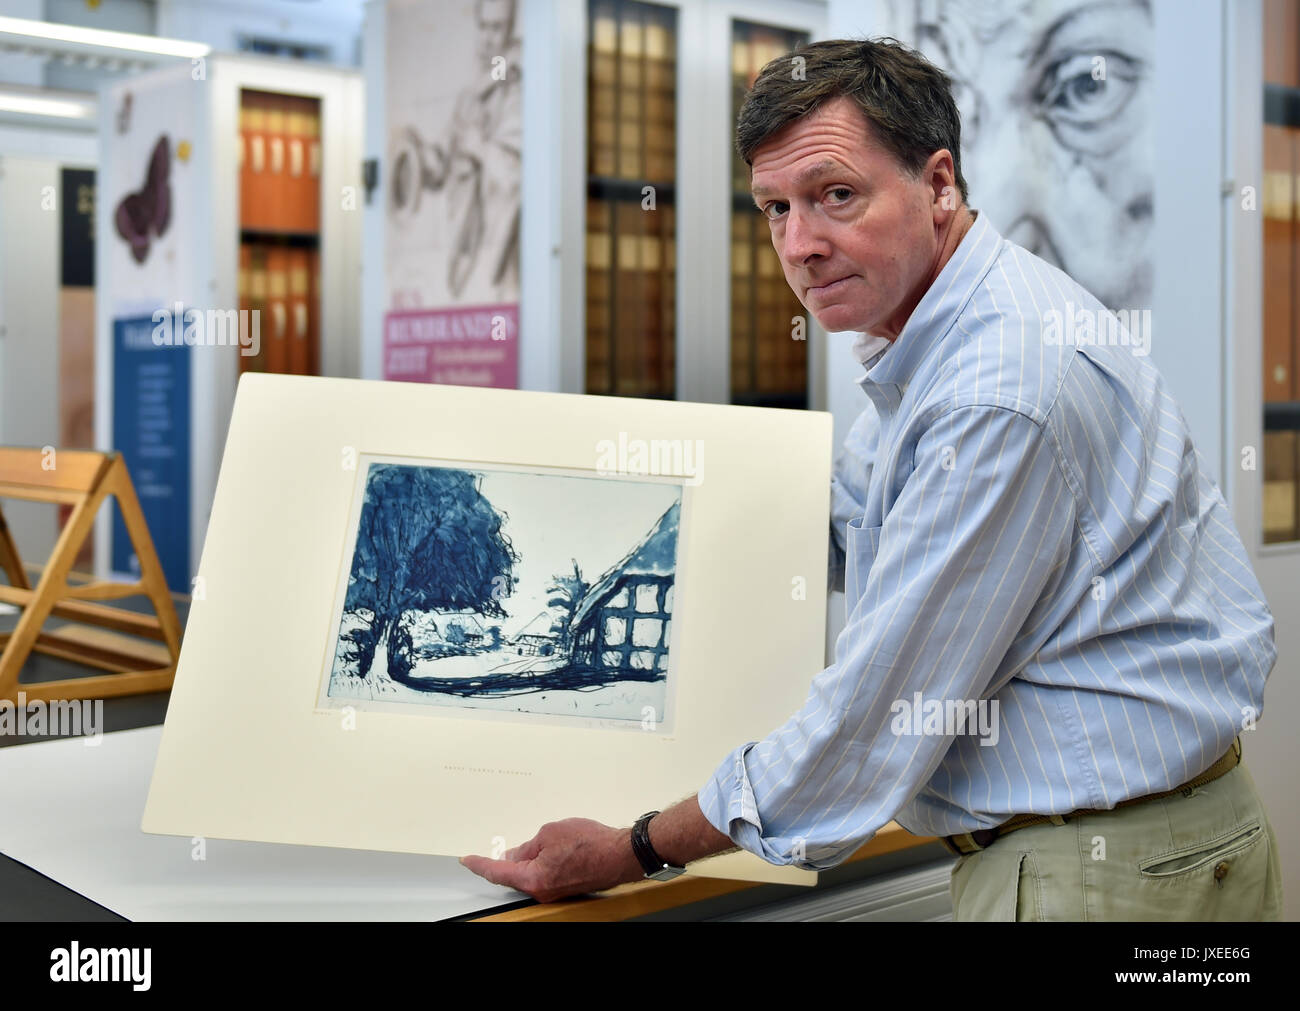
pixel 972 842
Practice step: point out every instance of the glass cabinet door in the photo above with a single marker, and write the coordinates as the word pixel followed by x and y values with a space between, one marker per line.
pixel 1281 271
pixel 769 326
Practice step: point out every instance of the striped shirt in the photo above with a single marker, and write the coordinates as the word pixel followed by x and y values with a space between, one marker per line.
pixel 1048 605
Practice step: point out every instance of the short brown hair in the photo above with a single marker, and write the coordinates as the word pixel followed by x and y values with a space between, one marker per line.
pixel 906 99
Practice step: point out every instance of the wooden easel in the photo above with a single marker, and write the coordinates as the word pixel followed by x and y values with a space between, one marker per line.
pixel 83 479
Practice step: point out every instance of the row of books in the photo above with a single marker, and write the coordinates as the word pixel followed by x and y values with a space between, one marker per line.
pixel 766 357
pixel 1281 34
pixel 632 114
pixel 633 30
pixel 752 48
pixel 283 284
pixel 632 92
pixel 1279 206
pixel 1281 264
pixel 279 154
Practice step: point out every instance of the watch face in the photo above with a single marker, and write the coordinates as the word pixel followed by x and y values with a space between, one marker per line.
pixel 667 874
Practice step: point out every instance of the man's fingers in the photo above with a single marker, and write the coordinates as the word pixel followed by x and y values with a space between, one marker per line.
pixel 511 873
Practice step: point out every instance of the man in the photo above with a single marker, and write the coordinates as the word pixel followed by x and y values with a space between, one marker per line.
pixel 1028 542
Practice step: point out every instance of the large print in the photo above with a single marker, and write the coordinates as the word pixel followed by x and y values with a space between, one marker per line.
pixel 509 589
pixel 1057 146
pixel 452 188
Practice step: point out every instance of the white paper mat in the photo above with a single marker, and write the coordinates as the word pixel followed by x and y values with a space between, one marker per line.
pixel 72 812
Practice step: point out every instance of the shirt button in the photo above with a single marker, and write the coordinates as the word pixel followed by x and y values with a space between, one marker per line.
pixel 1221 871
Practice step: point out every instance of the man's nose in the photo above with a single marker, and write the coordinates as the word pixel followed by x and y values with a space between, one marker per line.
pixel 804 238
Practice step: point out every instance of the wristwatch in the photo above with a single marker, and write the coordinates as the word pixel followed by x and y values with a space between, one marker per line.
pixel 652 863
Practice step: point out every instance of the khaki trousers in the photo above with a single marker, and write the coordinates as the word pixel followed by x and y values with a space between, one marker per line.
pixel 1208 854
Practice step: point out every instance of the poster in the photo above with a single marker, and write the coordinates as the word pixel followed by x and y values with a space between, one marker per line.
pixel 452 192
pixel 1057 140
pixel 151 429
pixel 147 187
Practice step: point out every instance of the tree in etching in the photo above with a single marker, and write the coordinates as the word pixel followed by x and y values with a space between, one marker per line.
pixel 565 592
pixel 428 540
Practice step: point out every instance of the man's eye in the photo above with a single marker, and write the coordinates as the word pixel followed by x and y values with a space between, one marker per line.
pixel 774 210
pixel 1086 89
pixel 841 193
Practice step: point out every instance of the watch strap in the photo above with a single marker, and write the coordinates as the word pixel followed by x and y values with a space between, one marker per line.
pixel 651 862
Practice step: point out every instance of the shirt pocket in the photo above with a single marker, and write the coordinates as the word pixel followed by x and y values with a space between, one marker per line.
pixel 860 548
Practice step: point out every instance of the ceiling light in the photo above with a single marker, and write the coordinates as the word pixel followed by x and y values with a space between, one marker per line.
pixel 75 35
pixel 34 103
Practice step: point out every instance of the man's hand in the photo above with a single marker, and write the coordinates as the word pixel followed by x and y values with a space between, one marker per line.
pixel 569 857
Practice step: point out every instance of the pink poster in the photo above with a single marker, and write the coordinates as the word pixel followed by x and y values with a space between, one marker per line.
pixel 452 190
pixel 462 346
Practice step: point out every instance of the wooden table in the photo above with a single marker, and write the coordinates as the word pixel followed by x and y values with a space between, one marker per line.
pixel 642 897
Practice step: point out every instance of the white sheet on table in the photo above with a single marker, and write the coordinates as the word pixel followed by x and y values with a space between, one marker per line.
pixel 72 812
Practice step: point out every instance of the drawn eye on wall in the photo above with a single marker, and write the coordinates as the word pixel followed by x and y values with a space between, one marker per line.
pixel 512 590
pixel 1085 108
pixel 146 213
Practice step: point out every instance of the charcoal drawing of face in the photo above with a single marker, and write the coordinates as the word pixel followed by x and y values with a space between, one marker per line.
pixel 1055 104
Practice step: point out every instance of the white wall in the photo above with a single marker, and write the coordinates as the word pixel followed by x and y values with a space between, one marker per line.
pixel 374 290
pixel 69 146
pixel 29 333
pixel 552 303
pixel 16 68
pixel 335 24
pixel 137 16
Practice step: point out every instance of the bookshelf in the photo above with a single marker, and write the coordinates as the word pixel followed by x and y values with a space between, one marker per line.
pixel 631 221
pixel 769 366
pixel 1281 274
pixel 279 156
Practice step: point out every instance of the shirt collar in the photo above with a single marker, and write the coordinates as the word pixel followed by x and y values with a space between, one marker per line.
pixel 891 365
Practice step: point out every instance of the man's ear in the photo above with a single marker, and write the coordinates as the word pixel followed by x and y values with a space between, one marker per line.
pixel 945 197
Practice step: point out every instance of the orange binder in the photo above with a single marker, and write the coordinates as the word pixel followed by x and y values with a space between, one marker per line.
pixel 245 270
pixel 299 317
pixel 257 291
pixel 314 313
pixel 276 332
pixel 296 169
pixel 312 128
pixel 1279 267
pixel 242 162
pixel 254 176
pixel 276 211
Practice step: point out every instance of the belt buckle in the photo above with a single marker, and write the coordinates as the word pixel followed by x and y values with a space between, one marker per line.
pixel 985 837
pixel 981 839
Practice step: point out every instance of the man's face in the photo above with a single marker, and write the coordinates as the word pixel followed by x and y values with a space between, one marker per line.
pixel 855 233
pixel 494 18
